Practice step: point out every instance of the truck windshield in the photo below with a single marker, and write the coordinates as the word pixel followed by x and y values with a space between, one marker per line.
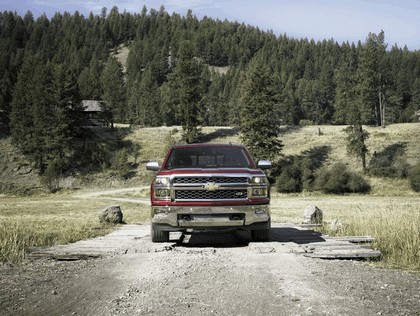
pixel 208 157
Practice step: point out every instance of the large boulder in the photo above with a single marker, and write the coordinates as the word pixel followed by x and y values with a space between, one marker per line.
pixel 112 214
pixel 312 215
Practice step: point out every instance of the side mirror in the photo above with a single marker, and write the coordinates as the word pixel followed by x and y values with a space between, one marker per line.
pixel 264 164
pixel 153 166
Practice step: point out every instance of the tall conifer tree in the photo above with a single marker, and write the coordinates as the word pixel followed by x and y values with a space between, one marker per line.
pixel 114 90
pixel 259 122
pixel 185 84
pixel 371 76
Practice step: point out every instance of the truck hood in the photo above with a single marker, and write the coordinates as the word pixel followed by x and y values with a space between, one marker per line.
pixel 209 171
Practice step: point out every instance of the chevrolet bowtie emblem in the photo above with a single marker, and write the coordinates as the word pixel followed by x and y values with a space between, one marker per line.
pixel 211 186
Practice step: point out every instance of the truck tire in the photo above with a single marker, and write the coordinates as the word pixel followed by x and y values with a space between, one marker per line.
pixel 260 234
pixel 159 235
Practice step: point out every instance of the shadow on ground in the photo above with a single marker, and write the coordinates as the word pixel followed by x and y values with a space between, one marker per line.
pixel 238 238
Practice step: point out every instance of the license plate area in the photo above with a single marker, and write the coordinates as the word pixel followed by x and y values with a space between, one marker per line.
pixel 211 220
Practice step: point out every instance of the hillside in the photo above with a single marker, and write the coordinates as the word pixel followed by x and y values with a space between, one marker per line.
pixel 16 173
pixel 312 80
pixel 300 139
pixel 15 170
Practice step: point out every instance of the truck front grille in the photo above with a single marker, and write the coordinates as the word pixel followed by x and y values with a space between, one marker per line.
pixel 195 180
pixel 211 195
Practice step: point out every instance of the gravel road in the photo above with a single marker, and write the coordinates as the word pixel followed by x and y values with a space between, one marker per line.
pixel 204 274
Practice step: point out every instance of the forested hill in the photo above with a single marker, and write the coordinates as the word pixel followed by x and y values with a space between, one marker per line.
pixel 316 81
pixel 47 66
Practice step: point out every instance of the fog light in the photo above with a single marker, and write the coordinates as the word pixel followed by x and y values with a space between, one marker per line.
pixel 162 193
pixel 160 211
pixel 260 211
pixel 259 192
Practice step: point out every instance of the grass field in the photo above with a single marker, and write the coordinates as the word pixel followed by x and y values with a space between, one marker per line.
pixel 391 213
pixel 393 221
pixel 55 219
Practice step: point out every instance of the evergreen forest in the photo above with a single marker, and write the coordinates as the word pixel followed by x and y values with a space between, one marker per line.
pixel 186 71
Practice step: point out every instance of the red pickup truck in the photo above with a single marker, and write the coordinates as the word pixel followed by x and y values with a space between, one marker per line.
pixel 209 187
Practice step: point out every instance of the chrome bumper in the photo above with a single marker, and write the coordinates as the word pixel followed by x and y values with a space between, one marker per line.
pixel 174 218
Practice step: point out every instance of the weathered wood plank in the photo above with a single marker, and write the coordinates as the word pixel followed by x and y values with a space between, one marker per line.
pixel 353 239
pixel 62 256
pixel 74 256
pixel 344 254
pixel 340 249
pixel 332 248
pixel 330 243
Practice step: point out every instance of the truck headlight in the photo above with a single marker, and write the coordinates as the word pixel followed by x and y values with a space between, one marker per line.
pixel 162 181
pixel 161 188
pixel 258 180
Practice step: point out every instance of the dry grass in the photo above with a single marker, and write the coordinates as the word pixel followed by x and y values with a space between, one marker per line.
pixel 393 221
pixel 54 219
pixel 391 213
pixel 297 140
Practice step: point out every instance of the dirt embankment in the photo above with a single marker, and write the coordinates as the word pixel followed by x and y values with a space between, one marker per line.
pixel 205 274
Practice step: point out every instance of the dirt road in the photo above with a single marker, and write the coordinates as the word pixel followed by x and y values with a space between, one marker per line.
pixel 204 274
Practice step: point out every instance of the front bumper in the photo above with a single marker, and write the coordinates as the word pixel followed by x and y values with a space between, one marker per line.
pixel 176 218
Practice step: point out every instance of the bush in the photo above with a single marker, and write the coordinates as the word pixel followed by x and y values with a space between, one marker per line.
pixel 297 173
pixel 288 174
pixel 303 123
pixel 414 177
pixel 52 174
pixel 338 180
pixel 289 180
pixel 120 164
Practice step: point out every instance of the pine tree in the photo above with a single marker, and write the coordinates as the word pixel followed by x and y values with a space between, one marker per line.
pixel 114 90
pixel 89 81
pixel 259 122
pixel 149 100
pixel 346 104
pixel 21 118
pixel 371 76
pixel 356 146
pixel 413 108
pixel 185 85
pixel 42 122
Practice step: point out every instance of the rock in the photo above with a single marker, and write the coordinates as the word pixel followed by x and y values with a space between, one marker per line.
pixel 312 215
pixel 112 214
pixel 22 170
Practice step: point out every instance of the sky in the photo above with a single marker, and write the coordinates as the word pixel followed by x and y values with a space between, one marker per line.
pixel 341 20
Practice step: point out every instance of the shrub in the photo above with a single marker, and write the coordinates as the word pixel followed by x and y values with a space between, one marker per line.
pixel 289 180
pixel 52 174
pixel 288 174
pixel 339 180
pixel 120 164
pixel 414 177
pixel 297 173
pixel 303 123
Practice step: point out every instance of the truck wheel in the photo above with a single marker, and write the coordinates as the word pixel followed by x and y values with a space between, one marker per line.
pixel 260 234
pixel 159 235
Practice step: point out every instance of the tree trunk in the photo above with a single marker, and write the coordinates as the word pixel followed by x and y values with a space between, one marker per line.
pixel 382 108
pixel 364 163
